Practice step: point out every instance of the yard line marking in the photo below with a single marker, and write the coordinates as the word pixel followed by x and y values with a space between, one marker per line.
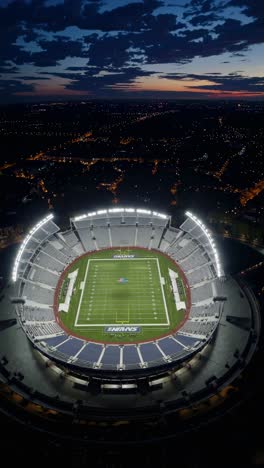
pixel 80 301
pixel 98 305
pixel 165 305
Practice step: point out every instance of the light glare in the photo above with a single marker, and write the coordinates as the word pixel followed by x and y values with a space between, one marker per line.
pixel 25 242
pixel 211 241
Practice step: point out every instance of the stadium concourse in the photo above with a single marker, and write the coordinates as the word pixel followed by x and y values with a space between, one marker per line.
pixel 48 365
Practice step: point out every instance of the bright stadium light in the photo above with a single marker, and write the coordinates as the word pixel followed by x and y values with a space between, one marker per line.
pixel 116 210
pixel 159 215
pixel 143 211
pixel 25 242
pixel 120 210
pixel 78 218
pixel 211 242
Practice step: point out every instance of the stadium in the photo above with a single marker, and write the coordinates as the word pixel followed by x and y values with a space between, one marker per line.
pixel 122 316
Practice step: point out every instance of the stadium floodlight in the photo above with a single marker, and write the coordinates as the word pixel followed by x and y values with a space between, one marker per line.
pixel 120 210
pixel 219 269
pixel 25 242
pixel 143 211
pixel 116 210
pixel 79 218
pixel 160 215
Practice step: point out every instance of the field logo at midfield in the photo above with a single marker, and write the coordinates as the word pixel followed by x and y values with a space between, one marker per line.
pixel 123 329
pixel 122 280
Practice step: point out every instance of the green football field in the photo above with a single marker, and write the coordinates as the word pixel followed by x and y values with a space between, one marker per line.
pixel 114 292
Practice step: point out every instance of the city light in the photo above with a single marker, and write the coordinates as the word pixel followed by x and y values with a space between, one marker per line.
pixel 211 242
pixel 25 242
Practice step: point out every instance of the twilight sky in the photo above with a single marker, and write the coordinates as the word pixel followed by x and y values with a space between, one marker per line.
pixel 64 49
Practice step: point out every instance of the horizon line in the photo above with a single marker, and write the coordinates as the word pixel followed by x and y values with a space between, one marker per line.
pixel 122 99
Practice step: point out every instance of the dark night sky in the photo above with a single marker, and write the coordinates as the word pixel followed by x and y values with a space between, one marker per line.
pixel 55 49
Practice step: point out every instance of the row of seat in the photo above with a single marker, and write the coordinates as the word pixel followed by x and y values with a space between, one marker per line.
pixel 126 356
pixel 47 255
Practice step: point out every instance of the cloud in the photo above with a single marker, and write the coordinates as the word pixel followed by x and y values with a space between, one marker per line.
pixel 119 41
pixel 201 19
pixel 231 82
pixel 56 50
pixel 252 8
pixel 9 88
pixel 103 83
